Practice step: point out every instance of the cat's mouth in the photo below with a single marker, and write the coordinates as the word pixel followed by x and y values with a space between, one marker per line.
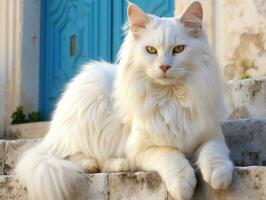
pixel 165 76
pixel 165 79
pixel 170 79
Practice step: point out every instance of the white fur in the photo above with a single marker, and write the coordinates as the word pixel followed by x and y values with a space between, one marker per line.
pixel 133 111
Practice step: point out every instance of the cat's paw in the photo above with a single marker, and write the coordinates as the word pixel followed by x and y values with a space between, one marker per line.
pixel 182 187
pixel 89 166
pixel 116 165
pixel 219 176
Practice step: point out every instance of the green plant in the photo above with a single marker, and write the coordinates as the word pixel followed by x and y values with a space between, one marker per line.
pixel 19 117
pixel 245 76
pixel 34 117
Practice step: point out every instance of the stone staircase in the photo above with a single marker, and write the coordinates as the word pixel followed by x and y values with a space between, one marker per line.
pixel 245 134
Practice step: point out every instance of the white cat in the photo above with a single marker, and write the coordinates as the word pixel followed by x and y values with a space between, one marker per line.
pixel 160 105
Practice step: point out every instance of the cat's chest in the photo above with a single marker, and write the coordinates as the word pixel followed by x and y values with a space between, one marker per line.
pixel 169 124
pixel 168 113
pixel 164 117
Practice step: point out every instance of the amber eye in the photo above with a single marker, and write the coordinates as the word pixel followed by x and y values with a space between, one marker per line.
pixel 151 50
pixel 178 49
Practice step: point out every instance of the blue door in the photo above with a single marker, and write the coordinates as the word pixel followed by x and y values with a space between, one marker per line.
pixel 76 31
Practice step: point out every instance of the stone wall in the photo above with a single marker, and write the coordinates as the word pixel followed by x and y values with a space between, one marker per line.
pixel 237 32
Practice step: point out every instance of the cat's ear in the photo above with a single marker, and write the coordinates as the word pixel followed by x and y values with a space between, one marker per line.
pixel 192 18
pixel 137 17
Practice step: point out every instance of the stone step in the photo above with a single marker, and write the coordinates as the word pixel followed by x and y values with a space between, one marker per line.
pixel 246 139
pixel 246 98
pixel 27 130
pixel 249 183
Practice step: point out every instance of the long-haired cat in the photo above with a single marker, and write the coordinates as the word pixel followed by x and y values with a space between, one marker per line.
pixel 160 105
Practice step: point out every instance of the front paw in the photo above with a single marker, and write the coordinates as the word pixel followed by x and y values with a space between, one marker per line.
pixel 219 176
pixel 182 187
pixel 116 165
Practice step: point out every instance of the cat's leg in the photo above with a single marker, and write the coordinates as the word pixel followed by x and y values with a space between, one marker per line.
pixel 86 164
pixel 173 167
pixel 214 163
pixel 115 165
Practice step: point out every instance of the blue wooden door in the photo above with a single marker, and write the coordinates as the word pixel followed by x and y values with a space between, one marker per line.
pixel 76 31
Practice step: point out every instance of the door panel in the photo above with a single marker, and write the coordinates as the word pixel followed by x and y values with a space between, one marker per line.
pixel 73 32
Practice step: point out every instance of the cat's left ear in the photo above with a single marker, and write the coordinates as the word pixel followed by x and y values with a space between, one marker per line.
pixel 192 18
pixel 137 17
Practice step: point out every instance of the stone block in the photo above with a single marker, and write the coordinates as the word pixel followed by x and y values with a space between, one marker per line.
pixel 249 183
pixel 97 186
pixel 10 189
pixel 246 98
pixel 13 150
pixel 27 130
pixel 247 141
pixel 140 185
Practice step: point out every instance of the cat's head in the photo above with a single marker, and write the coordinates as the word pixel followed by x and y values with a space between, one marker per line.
pixel 167 50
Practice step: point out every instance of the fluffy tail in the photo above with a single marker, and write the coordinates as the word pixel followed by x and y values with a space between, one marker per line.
pixel 50 178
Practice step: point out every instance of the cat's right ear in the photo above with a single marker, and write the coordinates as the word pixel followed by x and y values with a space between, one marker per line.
pixel 192 18
pixel 137 18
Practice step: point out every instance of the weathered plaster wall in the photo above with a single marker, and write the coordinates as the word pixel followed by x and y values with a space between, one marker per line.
pixel 237 33
pixel 19 57
pixel 245 38
pixel 9 59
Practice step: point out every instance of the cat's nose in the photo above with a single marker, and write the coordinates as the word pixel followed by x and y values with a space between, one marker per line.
pixel 164 68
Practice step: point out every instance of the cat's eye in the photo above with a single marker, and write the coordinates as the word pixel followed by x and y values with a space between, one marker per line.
pixel 178 49
pixel 151 50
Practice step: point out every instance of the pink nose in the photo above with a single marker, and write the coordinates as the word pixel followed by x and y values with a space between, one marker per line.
pixel 164 68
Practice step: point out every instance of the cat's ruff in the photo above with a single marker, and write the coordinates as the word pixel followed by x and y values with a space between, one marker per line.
pixel 136 115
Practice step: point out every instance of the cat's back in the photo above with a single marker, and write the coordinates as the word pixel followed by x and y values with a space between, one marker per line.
pixel 95 75
pixel 94 83
pixel 99 71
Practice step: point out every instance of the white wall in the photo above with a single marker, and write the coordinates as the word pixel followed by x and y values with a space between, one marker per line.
pixel 9 58
pixel 2 65
pixel 19 57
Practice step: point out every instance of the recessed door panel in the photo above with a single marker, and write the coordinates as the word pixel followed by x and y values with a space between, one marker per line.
pixel 72 34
